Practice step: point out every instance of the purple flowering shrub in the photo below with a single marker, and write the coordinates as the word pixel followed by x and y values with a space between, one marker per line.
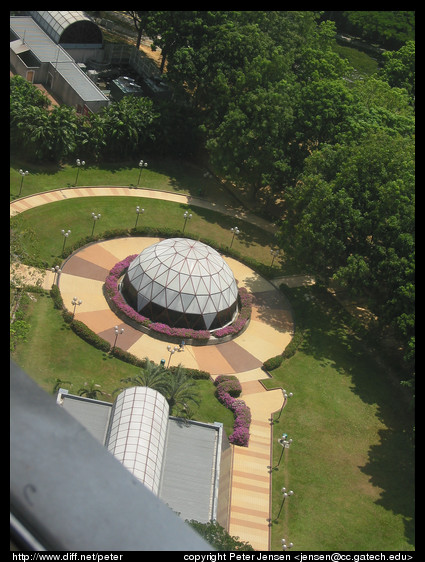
pixel 245 299
pixel 229 384
pixel 114 295
pixel 225 386
pixel 179 332
pixel 112 291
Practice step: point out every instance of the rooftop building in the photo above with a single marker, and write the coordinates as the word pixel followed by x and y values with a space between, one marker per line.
pixel 35 56
pixel 185 463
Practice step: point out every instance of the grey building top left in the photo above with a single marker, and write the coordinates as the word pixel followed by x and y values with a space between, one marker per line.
pixel 38 58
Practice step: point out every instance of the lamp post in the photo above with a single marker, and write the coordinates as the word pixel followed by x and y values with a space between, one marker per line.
pixel 23 174
pixel 285 444
pixel 171 350
pixel 56 271
pixel 286 546
pixel 76 302
pixel 65 236
pixel 285 398
pixel 79 164
pixel 142 165
pixel 95 218
pixel 274 254
pixel 138 211
pixel 187 216
pixel 118 332
pixel 285 494
pixel 235 231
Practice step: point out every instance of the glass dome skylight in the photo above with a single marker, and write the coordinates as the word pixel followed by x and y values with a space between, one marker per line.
pixel 182 283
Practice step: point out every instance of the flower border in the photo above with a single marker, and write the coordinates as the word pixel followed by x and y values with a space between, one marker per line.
pixel 117 301
pixel 228 390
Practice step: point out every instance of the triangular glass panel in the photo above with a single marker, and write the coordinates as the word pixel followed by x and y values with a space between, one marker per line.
pixel 186 300
pixel 209 319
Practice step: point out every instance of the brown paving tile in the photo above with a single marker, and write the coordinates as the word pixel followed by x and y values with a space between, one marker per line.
pixel 125 340
pixel 250 487
pixel 251 387
pixel 250 475
pixel 210 359
pixel 240 359
pixel 245 452
pixel 98 255
pixel 245 523
pixel 99 320
pixel 254 512
pixel 83 268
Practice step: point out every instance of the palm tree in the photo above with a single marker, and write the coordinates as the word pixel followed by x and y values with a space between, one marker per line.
pixel 91 391
pixel 59 383
pixel 180 389
pixel 152 375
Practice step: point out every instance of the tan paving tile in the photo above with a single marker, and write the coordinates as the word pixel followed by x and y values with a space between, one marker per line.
pixel 123 247
pixel 210 359
pixel 99 255
pixel 87 290
pixel 98 321
pixel 265 340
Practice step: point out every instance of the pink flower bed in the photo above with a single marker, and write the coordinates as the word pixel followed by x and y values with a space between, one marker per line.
pixel 242 413
pixel 180 332
pixel 112 291
pixel 243 316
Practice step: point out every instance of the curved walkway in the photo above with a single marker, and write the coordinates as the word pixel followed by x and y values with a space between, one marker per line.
pixel 269 332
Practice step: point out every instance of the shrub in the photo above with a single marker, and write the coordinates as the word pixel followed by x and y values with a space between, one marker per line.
pixel 245 303
pixel 225 385
pixel 273 363
pixel 56 297
pixel 89 336
pixel 229 384
pixel 184 333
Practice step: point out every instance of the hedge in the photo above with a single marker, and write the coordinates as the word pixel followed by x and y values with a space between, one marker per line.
pixel 226 386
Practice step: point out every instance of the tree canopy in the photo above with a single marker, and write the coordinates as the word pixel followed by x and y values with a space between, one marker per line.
pixel 265 99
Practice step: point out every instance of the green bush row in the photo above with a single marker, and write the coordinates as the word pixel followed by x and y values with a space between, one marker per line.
pixel 93 339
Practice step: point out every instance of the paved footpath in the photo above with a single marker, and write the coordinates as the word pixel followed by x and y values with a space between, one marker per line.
pixel 269 332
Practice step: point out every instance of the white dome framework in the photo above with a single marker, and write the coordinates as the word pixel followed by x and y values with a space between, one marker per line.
pixel 182 283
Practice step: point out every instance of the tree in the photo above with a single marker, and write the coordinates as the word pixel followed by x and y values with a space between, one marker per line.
pixel 249 147
pixel 218 537
pixel 91 390
pixel 140 19
pixel 399 68
pixel 351 217
pixel 127 126
pixel 390 28
pixel 152 376
pixel 180 389
pixel 172 30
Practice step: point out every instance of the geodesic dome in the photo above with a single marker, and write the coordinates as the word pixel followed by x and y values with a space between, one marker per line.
pixel 182 283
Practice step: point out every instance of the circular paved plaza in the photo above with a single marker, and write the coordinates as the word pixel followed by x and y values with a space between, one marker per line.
pixel 267 335
pixel 269 332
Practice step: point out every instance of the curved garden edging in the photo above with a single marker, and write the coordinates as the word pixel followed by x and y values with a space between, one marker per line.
pixel 165 333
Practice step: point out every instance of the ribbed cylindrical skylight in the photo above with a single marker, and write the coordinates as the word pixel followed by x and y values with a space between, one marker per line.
pixel 137 433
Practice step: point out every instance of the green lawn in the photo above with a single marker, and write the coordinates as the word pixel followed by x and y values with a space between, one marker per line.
pixel 168 175
pixel 46 222
pixel 351 462
pixel 52 351
pixel 362 63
